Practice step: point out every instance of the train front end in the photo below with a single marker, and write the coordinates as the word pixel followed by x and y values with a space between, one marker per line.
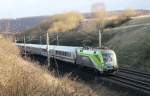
pixel 110 60
pixel 103 60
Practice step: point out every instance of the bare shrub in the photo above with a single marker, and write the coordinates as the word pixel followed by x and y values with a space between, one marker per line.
pixel 65 22
pixel 129 12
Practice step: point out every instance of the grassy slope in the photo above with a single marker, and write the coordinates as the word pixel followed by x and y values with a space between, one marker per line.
pixel 132 46
pixel 137 21
pixel 21 78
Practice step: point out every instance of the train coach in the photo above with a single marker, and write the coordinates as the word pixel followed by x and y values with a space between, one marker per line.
pixel 103 60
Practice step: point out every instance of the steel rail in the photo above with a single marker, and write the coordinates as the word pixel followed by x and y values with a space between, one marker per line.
pixel 131 78
pixel 138 73
pixel 130 83
pixel 134 77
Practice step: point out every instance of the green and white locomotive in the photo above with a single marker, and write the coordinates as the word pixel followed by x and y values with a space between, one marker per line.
pixel 103 60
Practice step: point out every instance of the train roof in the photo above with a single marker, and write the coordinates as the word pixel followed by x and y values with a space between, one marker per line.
pixel 59 48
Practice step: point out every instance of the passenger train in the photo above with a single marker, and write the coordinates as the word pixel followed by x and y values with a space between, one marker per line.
pixel 103 60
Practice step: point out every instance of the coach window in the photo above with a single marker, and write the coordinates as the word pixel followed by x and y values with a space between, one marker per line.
pixel 63 53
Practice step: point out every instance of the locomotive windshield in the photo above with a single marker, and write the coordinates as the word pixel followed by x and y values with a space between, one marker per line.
pixel 107 57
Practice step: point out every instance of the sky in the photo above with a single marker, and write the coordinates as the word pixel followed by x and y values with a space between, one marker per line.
pixel 27 8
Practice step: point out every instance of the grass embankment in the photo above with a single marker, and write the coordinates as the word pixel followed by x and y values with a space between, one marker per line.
pixel 131 46
pixel 21 78
pixel 137 21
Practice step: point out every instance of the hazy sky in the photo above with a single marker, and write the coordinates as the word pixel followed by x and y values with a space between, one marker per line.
pixel 24 8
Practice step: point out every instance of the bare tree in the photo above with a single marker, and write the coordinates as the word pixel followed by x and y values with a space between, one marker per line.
pixel 100 15
pixel 129 12
pixel 65 22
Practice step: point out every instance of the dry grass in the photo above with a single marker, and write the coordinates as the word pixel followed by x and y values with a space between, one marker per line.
pixel 21 78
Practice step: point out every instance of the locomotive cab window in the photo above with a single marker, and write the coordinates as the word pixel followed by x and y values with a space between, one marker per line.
pixel 107 57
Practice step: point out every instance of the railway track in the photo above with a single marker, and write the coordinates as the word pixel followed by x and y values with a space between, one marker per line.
pixel 138 81
pixel 141 74
pixel 125 78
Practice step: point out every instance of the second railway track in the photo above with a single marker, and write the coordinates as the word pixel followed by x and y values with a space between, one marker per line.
pixel 138 81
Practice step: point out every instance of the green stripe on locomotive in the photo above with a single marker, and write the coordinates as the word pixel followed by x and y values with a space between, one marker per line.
pixel 96 58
